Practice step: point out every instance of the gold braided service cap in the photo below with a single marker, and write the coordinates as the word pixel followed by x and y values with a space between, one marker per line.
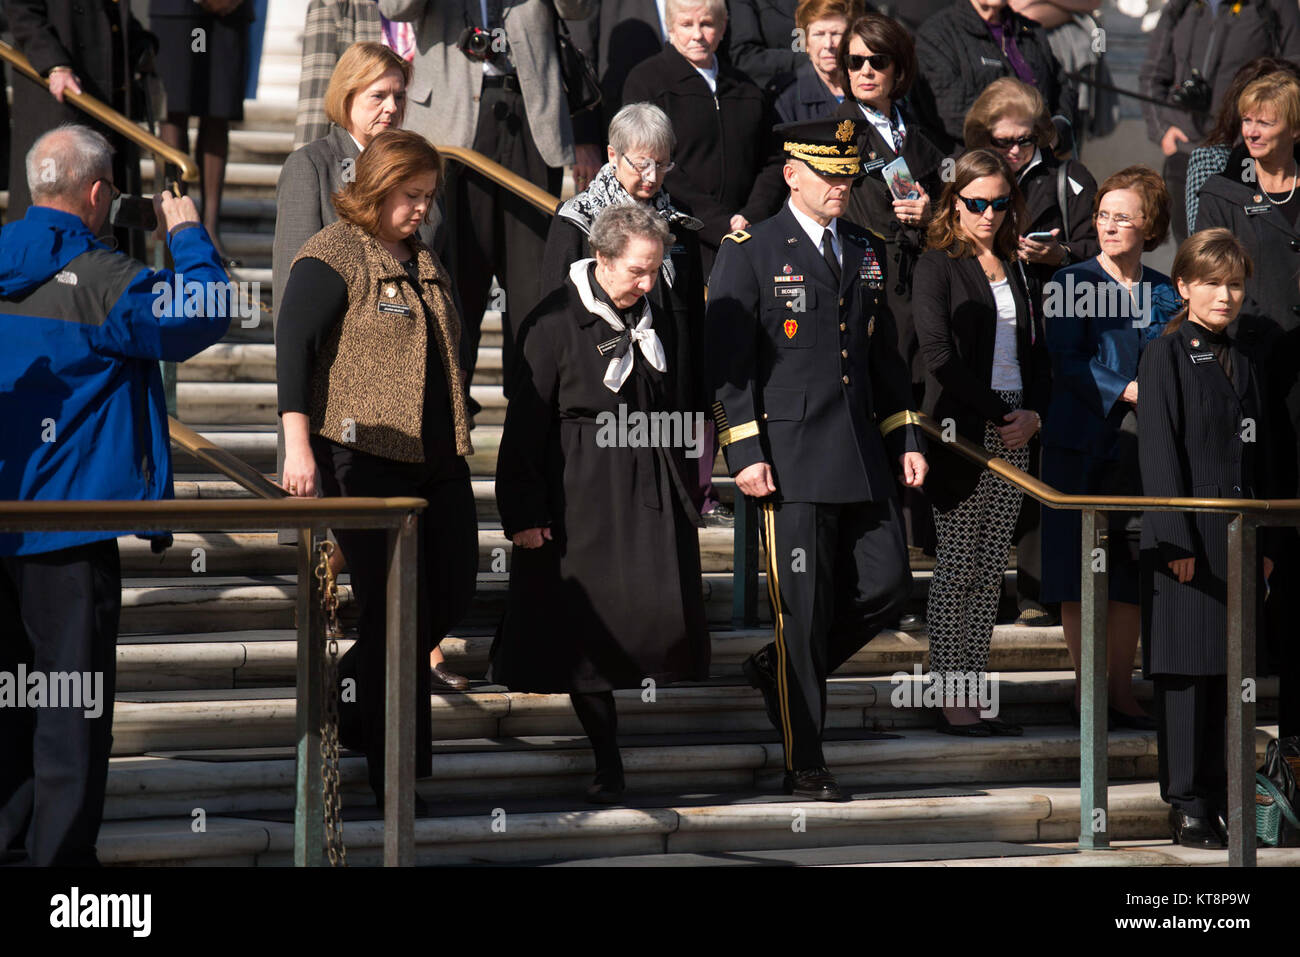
pixel 830 145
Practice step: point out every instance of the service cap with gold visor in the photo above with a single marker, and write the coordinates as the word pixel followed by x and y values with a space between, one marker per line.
pixel 829 145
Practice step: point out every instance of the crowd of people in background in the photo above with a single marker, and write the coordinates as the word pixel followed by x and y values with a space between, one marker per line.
pixel 924 156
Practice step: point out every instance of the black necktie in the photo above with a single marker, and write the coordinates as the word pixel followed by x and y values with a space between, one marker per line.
pixel 828 252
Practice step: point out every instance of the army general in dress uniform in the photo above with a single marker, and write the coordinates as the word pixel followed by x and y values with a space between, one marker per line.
pixel 810 391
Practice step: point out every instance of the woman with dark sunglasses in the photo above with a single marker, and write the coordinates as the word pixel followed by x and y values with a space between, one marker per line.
pixel 1011 118
pixel 987 380
pixel 878 63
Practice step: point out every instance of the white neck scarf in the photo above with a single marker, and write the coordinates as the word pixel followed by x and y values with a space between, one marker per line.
pixel 642 335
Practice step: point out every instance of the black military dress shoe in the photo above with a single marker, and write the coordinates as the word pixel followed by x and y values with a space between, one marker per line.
pixel 761 675
pixel 911 622
pixel 1195 831
pixel 812 784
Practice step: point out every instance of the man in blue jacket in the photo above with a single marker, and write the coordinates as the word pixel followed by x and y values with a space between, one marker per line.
pixel 82 417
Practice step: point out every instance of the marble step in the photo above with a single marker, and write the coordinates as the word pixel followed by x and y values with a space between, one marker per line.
pixel 259 553
pixel 524 769
pixel 984 822
pixel 266 657
pixel 153 721
pixel 256 403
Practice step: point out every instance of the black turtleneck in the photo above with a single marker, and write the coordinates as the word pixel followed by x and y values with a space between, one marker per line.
pixel 1217 342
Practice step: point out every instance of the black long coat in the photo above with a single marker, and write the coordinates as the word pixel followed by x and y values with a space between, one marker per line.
pixel 871 205
pixel 103 48
pixel 615 596
pixel 726 161
pixel 1191 419
pixel 956 322
pixel 1272 296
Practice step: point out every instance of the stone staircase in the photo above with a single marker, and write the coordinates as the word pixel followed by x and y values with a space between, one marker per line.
pixel 204 716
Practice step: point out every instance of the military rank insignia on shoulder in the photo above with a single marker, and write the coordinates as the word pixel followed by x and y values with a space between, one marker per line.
pixel 739 236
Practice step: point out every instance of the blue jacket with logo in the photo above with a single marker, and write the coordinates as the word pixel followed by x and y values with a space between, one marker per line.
pixel 82 329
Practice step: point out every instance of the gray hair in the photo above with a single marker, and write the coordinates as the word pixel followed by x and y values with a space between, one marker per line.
pixel 716 7
pixel 617 224
pixel 64 162
pixel 642 125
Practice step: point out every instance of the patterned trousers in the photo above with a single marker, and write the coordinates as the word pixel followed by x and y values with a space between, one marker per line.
pixel 974 542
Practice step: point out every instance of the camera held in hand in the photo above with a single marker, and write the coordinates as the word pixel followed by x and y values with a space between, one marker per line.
pixel 1194 94
pixel 475 43
pixel 133 212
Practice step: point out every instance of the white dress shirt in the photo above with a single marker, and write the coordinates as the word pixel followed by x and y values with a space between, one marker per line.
pixel 816 232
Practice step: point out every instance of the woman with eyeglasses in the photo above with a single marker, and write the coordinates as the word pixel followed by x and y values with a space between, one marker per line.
pixel 640 152
pixel 1011 117
pixel 987 373
pixel 1100 316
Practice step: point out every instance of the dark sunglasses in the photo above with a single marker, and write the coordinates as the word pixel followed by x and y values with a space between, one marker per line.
pixel 979 205
pixel 878 61
pixel 1005 143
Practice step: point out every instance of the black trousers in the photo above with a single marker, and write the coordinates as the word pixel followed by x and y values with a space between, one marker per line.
pixel 493 231
pixel 448 565
pixel 1191 715
pixel 837 575
pixel 59 612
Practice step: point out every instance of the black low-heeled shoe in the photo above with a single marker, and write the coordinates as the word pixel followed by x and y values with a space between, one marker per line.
pixel 1002 729
pixel 1195 831
pixel 607 788
pixel 977 730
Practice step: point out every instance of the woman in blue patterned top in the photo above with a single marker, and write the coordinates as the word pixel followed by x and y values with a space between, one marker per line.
pixel 1099 316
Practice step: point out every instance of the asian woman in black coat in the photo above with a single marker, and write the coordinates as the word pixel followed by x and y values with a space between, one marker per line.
pixel 1204 435
pixel 605 574
pixel 988 376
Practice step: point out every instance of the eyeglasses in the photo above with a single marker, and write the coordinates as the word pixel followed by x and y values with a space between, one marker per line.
pixel 116 192
pixel 979 205
pixel 648 167
pixel 878 61
pixel 1007 142
pixel 1122 220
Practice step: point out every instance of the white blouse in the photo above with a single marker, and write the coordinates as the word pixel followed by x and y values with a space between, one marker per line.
pixel 1006 362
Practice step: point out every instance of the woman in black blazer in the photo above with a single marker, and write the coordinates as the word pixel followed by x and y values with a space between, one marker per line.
pixel 727 172
pixel 987 377
pixel 1204 435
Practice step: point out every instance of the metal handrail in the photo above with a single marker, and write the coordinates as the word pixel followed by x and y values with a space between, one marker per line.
pixel 228 464
pixel 311 517
pixel 503 177
pixel 108 116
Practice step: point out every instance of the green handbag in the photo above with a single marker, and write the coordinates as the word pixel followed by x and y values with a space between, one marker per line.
pixel 1271 806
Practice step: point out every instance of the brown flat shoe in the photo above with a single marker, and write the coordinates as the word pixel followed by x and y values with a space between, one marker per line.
pixel 447 680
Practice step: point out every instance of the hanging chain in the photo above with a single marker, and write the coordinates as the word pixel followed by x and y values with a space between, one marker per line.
pixel 329 730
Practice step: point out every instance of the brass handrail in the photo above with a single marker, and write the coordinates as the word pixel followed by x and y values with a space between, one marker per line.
pixel 108 116
pixel 1044 493
pixel 228 464
pixel 503 177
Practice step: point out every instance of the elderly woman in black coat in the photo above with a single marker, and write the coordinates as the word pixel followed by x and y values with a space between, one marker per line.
pixel 592 490
pixel 1204 435
pixel 727 173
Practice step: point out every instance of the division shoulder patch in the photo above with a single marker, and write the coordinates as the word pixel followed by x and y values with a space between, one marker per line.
pixel 739 236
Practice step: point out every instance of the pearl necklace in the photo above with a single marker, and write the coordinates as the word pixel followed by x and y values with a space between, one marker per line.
pixel 1295 169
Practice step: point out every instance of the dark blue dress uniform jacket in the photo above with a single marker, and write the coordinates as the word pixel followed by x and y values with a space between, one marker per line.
pixel 807 391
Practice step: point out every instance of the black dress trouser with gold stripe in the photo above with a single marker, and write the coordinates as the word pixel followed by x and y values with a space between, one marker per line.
pixel 836 575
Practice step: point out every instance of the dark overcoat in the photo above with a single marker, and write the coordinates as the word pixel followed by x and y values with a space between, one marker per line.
pixel 726 160
pixel 871 205
pixel 615 596
pixel 105 45
pixel 1193 424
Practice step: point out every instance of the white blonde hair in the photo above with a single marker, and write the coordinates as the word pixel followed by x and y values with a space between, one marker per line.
pixel 716 7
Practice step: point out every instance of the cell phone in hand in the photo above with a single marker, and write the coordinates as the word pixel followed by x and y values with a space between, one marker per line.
pixel 900 179
pixel 1041 237
pixel 133 212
